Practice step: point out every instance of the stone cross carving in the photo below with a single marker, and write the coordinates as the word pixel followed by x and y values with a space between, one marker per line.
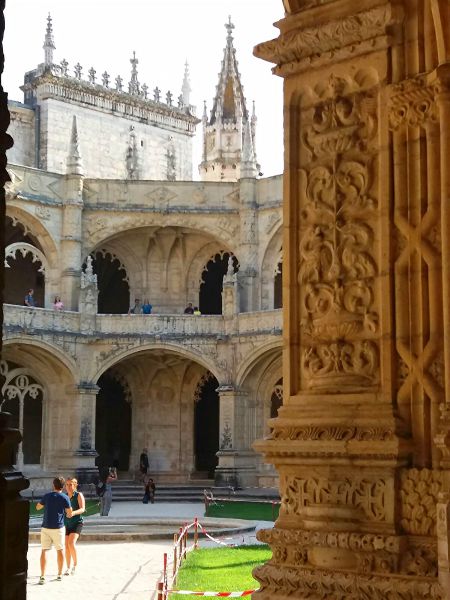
pixel 105 79
pixel 229 27
pixel 157 94
pixel 119 83
pixel 169 96
pixel 180 101
pixel 64 65
pixel 92 73
pixel 78 70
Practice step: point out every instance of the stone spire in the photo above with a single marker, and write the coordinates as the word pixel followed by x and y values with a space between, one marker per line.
pixel 133 84
pixel 49 42
pixel 74 164
pixel 224 131
pixel 249 168
pixel 186 87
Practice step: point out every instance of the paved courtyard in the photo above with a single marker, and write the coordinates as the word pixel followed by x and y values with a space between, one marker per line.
pixel 117 570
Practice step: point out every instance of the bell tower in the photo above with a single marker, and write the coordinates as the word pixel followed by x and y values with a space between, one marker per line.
pixel 228 134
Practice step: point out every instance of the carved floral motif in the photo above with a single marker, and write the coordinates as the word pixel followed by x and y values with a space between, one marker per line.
pixel 419 496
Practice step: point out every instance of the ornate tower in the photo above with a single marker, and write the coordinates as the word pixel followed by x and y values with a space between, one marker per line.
pixel 225 145
pixel 362 442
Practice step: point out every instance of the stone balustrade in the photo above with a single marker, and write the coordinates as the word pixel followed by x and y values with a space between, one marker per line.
pixel 47 320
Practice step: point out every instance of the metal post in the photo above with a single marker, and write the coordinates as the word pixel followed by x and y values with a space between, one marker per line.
pixel 195 533
pixel 175 556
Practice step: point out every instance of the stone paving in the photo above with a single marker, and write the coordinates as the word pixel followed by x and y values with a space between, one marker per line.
pixel 117 571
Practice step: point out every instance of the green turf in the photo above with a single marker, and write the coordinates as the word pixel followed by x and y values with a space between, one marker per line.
pixel 92 508
pixel 255 511
pixel 221 569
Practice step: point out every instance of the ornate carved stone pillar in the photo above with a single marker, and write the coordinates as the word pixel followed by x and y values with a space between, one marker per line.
pixel 365 190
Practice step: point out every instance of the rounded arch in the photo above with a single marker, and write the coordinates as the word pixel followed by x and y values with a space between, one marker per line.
pixel 271 348
pixel 41 354
pixel 188 354
pixel 269 267
pixel 34 226
pixel 196 266
pixel 25 249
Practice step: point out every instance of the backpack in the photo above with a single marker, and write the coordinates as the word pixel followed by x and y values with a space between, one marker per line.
pixel 100 489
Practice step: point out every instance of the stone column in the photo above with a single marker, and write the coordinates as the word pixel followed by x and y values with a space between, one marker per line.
pixel 13 508
pixel 71 241
pixel 86 454
pixel 248 257
pixel 360 476
pixel 235 467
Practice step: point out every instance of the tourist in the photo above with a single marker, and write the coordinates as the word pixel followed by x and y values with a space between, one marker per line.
pixel 149 490
pixel 189 310
pixel 106 499
pixel 57 304
pixel 29 299
pixel 56 506
pixel 137 308
pixel 196 311
pixel 74 524
pixel 144 463
pixel 147 307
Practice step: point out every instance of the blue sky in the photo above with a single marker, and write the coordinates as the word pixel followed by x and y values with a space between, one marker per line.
pixel 164 33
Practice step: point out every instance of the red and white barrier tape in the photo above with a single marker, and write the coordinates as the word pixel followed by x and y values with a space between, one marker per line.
pixel 212 594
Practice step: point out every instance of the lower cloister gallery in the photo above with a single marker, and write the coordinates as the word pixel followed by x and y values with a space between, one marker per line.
pixel 336 389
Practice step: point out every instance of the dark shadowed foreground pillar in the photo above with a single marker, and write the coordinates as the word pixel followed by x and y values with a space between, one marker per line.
pixel 13 509
pixel 362 442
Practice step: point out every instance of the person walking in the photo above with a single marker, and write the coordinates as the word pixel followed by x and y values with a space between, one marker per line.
pixel 143 463
pixel 56 506
pixel 74 524
pixel 106 499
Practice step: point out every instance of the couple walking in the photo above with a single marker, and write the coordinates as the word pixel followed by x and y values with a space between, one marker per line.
pixel 62 524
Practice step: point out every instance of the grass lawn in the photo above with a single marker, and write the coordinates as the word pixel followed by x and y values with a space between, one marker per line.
pixel 92 508
pixel 255 511
pixel 221 569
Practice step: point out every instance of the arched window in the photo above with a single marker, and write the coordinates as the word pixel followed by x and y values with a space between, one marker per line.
pixel 212 283
pixel 112 281
pixel 24 264
pixel 22 397
pixel 206 424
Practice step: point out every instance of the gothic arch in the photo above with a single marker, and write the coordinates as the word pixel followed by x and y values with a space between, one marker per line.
pixel 271 259
pixel 197 265
pixel 41 356
pixel 273 347
pixel 188 354
pixel 34 226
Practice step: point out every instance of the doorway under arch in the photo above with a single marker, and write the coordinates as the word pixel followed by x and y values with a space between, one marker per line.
pixel 112 424
pixel 206 425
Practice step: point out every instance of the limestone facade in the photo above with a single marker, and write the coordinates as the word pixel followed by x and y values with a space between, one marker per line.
pixel 361 442
pixel 196 390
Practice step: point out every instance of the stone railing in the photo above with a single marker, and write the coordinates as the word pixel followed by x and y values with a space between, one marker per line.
pixel 267 321
pixel 27 320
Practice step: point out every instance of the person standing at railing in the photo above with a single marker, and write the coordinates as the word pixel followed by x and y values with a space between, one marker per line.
pixel 196 311
pixel 137 308
pixel 189 310
pixel 57 304
pixel 147 307
pixel 29 299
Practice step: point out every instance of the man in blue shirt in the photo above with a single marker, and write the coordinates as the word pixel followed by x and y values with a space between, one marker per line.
pixel 55 505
